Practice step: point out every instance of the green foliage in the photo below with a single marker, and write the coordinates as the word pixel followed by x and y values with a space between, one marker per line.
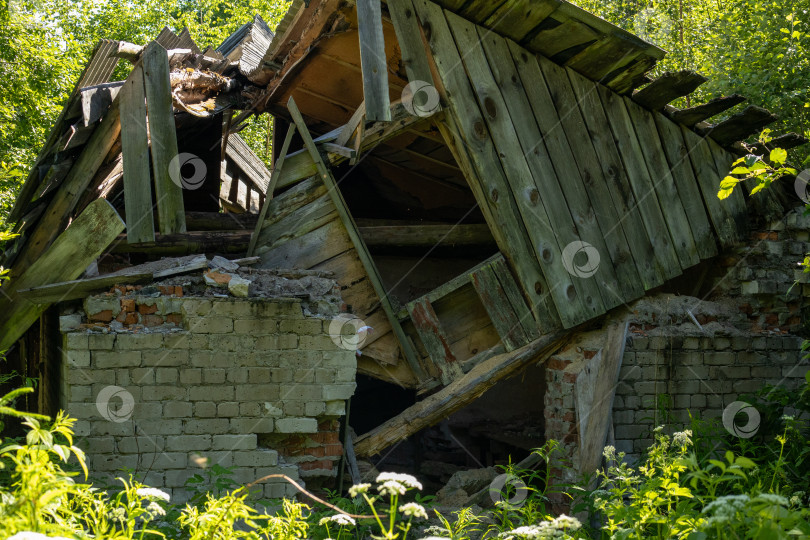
pixel 757 48
pixel 763 170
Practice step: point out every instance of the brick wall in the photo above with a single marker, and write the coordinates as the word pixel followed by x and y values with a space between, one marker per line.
pixel 224 380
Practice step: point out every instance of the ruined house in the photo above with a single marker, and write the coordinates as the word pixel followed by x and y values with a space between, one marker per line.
pixel 484 227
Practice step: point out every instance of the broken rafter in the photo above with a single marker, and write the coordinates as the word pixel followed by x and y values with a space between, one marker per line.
pixel 667 87
pixel 740 126
pixel 691 116
pixel 457 394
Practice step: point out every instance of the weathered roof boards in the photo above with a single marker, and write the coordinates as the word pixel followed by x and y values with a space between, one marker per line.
pixel 510 136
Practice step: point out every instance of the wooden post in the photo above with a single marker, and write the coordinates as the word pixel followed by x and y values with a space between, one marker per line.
pixel 135 149
pixel 373 61
pixel 357 241
pixel 163 136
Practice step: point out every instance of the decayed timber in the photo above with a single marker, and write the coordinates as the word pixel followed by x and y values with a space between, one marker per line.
pixel 135 149
pixel 428 236
pixel 785 142
pixel 594 391
pixel 96 100
pixel 163 140
pixel 456 395
pixel 69 255
pixel 691 116
pixel 213 221
pixel 434 339
pixel 189 242
pixel 740 126
pixel 668 87
pixel 79 288
pixel 373 61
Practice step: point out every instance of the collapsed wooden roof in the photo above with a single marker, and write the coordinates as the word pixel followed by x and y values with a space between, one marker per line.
pixel 549 134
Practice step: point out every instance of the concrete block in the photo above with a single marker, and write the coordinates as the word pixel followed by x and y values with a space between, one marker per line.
pixel 139 342
pixel 208 393
pixel 338 391
pixel 205 409
pixel 116 359
pixel 255 327
pixel 162 393
pixel 311 327
pixel 76 341
pixel 178 478
pixel 205 426
pixel 165 357
pixel 188 443
pixel 142 376
pixel 210 325
pixel 68 323
pixel 166 375
pixel 314 408
pixel 100 342
pixel 137 445
pixel 296 425
pixel 288 341
pixel 190 376
pixel 259 392
pixel 177 409
pixel 252 425
pixel 163 426
pixel 77 358
pixel 245 441
pixel 257 458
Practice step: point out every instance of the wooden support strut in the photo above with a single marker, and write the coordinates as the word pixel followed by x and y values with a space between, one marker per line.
pixel 373 62
pixel 357 240
pixel 456 395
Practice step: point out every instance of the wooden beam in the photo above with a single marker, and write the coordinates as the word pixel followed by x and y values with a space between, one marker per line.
pixel 668 87
pixel 96 100
pixel 79 288
pixel 189 242
pixel 691 116
pixel 163 137
pixel 595 388
pixel 456 395
pixel 740 126
pixel 357 240
pixel 428 236
pixel 135 149
pixel 506 322
pixel 278 166
pixel 216 221
pixel 409 38
pixel 69 255
pixel 373 61
pixel 435 339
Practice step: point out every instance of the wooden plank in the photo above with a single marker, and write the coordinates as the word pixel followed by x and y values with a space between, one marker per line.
pixel 662 181
pixel 691 116
pixel 708 179
pixel 176 244
pixel 163 140
pixel 666 259
pixel 575 300
pixel 688 190
pixel 517 18
pixel 456 395
pixel 314 215
pixel 632 77
pixel 428 236
pixel 617 182
pixel 723 160
pixel 466 136
pixel 516 300
pixel 409 38
pixel 274 176
pixel 604 57
pixel 622 281
pixel 557 186
pixel 668 87
pixel 78 288
pixel 96 100
pixel 63 204
pixel 785 142
pixel 595 389
pixel 135 149
pixel 372 60
pixel 740 126
pixel 356 239
pixel 570 33
pixel 435 340
pixel 500 310
pixel 69 255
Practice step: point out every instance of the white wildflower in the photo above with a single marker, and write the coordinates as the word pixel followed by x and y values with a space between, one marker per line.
pixel 682 438
pixel 413 510
pixel 358 489
pixel 566 523
pixel 609 452
pixel 410 482
pixel 153 493
pixel 772 498
pixel 659 429
pixel 118 514
pixel 342 520
pixel 726 507
pixel 391 488
pixel 154 510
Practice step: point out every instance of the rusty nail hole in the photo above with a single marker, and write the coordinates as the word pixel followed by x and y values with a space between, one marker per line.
pixel 480 130
pixel 571 292
pixel 408 12
pixel 546 254
pixel 538 287
pixel 494 195
pixel 534 196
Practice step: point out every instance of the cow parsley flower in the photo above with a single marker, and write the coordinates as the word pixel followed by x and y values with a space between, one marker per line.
pixel 391 488
pixel 772 498
pixel 682 438
pixel 725 508
pixel 153 493
pixel 566 523
pixel 413 510
pixel 609 452
pixel 118 514
pixel 358 489
pixel 410 482
pixel 342 520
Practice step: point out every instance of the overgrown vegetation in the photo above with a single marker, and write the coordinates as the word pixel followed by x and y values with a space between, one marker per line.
pixel 694 484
